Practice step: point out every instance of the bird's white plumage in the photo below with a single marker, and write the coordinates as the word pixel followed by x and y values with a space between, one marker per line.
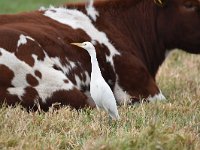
pixel 99 89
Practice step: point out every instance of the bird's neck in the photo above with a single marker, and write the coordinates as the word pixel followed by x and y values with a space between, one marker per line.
pixel 95 66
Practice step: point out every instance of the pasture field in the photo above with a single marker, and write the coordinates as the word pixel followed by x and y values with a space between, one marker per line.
pixel 12 6
pixel 170 125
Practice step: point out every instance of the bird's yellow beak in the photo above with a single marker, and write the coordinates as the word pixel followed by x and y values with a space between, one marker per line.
pixel 77 44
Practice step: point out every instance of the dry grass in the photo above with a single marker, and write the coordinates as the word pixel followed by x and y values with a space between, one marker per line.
pixel 174 124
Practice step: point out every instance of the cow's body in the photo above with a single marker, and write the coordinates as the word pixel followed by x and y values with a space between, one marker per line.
pixel 38 64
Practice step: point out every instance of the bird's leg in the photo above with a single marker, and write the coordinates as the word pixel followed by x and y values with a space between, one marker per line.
pixel 100 120
pixel 110 121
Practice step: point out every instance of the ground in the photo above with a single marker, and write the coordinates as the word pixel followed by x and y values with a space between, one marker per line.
pixel 173 124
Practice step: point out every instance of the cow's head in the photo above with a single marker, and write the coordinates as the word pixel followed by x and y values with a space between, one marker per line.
pixel 179 24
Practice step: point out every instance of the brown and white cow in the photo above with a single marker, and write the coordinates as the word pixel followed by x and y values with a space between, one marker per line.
pixel 38 64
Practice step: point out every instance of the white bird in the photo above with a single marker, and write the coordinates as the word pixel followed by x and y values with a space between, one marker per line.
pixel 100 91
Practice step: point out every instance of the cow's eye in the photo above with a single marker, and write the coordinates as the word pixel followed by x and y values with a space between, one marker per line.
pixel 191 5
pixel 188 4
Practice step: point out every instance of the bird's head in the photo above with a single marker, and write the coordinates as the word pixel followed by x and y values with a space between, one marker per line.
pixel 87 46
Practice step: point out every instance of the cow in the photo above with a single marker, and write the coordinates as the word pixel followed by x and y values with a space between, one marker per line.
pixel 39 67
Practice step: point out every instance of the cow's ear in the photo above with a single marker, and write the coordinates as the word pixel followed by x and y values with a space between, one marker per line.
pixel 160 2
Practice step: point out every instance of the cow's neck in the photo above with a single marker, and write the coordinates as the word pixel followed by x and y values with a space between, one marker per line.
pixel 138 23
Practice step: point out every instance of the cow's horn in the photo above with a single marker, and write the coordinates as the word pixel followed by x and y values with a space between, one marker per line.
pixel 159 2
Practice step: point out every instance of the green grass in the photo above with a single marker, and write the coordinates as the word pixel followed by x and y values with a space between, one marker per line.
pixel 170 125
pixel 12 6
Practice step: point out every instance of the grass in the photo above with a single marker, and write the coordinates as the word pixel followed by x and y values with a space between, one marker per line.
pixel 13 6
pixel 170 125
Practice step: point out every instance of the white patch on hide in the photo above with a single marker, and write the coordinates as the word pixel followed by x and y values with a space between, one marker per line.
pixel 78 20
pixel 23 40
pixel 91 11
pixel 65 68
pixel 42 8
pixel 90 100
pixel 72 64
pixel 80 83
pixel 122 97
pixel 157 97
pixel 52 80
pixel 87 82
pixel 19 68
pixel 17 91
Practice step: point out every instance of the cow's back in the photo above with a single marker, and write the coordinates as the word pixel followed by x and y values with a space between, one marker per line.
pixel 38 64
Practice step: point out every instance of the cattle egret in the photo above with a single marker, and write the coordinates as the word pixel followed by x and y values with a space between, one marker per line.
pixel 99 89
